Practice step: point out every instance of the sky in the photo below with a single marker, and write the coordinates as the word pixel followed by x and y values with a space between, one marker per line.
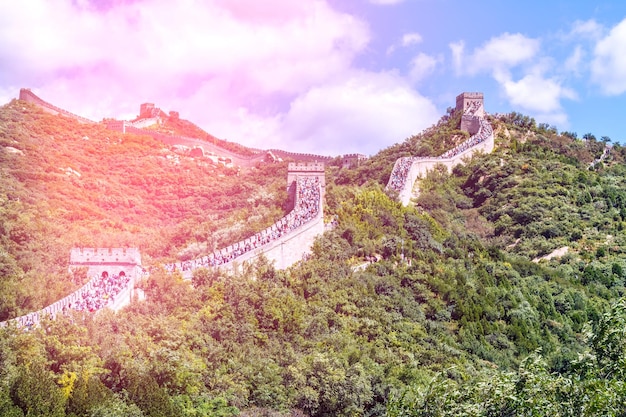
pixel 330 77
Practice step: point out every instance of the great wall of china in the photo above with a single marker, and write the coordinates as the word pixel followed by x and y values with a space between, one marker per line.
pixel 284 243
pixel 139 128
pixel 407 170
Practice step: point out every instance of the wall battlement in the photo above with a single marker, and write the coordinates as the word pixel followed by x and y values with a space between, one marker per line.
pixel 301 157
pixel 306 167
pixel 88 256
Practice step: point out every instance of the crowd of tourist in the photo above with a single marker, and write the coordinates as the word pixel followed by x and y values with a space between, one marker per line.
pixel 103 290
pixel 400 172
pixel 307 206
pixel 473 107
pixel 483 134
pixel 95 295
pixel 401 169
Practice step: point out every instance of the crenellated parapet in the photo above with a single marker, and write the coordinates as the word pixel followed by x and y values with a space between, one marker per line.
pixel 97 256
pixel 301 157
pixel 296 170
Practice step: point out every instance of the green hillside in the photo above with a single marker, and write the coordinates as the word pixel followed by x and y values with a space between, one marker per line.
pixel 451 317
pixel 65 184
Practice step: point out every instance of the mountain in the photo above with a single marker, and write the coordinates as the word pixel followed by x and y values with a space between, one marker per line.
pixel 68 185
pixel 443 307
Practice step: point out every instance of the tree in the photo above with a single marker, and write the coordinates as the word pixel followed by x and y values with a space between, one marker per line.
pixel 35 391
pixel 589 137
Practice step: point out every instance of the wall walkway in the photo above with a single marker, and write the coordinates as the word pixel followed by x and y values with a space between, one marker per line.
pixel 284 243
pixel 407 170
pixel 139 129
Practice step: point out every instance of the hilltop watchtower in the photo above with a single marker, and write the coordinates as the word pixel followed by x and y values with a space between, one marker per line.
pixel 472 107
pixel 146 110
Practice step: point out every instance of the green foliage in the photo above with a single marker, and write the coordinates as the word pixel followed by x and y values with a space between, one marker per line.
pixel 80 185
pixel 594 385
pixel 433 309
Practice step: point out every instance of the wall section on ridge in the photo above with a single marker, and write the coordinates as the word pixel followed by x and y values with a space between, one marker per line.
pixel 282 252
pixel 422 166
pixel 29 96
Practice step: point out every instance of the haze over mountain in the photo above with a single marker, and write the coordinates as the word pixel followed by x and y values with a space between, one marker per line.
pixel 329 77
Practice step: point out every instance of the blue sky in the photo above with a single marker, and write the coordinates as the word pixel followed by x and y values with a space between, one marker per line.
pixel 330 77
pixel 555 81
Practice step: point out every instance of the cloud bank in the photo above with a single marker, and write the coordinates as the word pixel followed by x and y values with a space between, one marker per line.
pixel 608 68
pixel 280 72
pixel 505 56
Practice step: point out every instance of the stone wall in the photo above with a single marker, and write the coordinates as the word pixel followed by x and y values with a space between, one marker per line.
pixel 148 109
pixel 470 124
pixel 422 166
pixel 282 252
pixel 97 261
pixel 407 170
pixel 29 96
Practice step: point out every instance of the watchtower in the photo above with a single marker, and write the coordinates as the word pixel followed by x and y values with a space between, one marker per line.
pixel 111 261
pixel 146 110
pixel 297 170
pixel 471 104
pixel 472 107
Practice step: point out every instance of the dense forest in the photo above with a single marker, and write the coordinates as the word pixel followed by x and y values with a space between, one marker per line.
pixel 499 292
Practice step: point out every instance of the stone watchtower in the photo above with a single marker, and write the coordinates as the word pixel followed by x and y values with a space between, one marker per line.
pixel 472 107
pixel 146 110
pixel 111 261
pixel 296 170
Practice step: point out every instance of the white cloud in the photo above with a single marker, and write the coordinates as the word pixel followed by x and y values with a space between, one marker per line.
pixel 589 29
pixel 501 52
pixel 608 68
pixel 362 113
pixel 457 49
pixel 411 38
pixel 574 62
pixel 422 66
pixel 160 41
pixel 408 39
pixel 533 92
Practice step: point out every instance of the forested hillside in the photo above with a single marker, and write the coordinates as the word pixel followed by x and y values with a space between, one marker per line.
pixel 433 309
pixel 66 184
